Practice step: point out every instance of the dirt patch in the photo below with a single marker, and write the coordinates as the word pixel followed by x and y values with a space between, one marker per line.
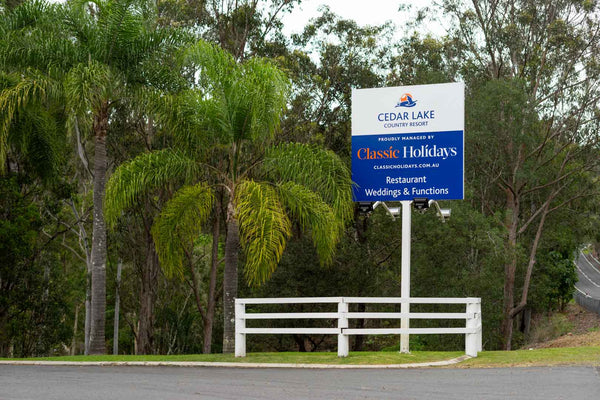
pixel 572 340
pixel 585 332
pixel 582 319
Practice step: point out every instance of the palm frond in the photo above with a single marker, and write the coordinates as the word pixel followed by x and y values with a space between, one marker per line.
pixel 117 23
pixel 142 175
pixel 33 35
pixel 245 100
pixel 265 88
pixel 182 115
pixel 27 13
pixel 314 216
pixel 179 223
pixel 264 229
pixel 255 99
pixel 216 70
pixel 128 40
pixel 34 135
pixel 156 62
pixel 32 87
pixel 320 170
pixel 216 67
pixel 88 86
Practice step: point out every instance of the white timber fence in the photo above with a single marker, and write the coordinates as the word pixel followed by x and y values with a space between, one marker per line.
pixel 472 317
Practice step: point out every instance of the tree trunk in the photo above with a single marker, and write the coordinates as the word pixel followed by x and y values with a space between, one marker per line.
pixel 526 321
pixel 117 309
pixel 510 271
pixel 212 286
pixel 147 298
pixel 4 342
pixel 299 339
pixel 230 287
pixel 88 315
pixel 85 247
pixel 73 349
pixel 98 304
pixel 359 340
pixel 532 261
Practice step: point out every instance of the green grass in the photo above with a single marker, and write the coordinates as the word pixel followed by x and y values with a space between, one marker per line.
pixel 361 358
pixel 486 359
pixel 538 357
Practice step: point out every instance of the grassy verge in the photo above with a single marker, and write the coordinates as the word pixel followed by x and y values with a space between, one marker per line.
pixel 538 357
pixel 486 359
pixel 360 358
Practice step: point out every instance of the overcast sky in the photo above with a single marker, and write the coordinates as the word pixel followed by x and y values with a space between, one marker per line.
pixel 369 12
pixel 364 12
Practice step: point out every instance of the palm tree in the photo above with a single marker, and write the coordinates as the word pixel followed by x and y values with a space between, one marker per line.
pixel 124 48
pixel 109 52
pixel 224 135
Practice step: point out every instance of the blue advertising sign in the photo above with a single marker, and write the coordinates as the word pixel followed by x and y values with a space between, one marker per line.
pixel 408 142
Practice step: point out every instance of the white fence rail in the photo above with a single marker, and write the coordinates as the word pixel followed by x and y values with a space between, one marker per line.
pixel 472 316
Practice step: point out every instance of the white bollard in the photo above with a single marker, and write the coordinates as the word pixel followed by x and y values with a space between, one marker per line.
pixel 240 325
pixel 343 340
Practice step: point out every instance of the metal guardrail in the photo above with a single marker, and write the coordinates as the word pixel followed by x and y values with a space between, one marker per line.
pixel 587 302
pixel 472 316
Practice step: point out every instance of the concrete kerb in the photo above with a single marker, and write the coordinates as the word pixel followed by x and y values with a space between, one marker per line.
pixel 235 364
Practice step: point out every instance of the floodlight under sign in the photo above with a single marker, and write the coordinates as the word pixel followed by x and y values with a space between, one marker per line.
pixel 421 203
pixel 365 207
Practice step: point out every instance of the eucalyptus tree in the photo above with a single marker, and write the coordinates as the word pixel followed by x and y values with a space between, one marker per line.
pixel 225 144
pixel 329 58
pixel 532 69
pixel 242 27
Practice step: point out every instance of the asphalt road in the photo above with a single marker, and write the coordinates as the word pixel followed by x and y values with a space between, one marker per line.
pixel 164 383
pixel 589 275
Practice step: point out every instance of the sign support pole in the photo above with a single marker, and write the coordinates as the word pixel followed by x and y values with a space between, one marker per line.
pixel 405 272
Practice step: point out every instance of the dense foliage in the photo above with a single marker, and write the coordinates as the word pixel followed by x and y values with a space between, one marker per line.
pixel 225 143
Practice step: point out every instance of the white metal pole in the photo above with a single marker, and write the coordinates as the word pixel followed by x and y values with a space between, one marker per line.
pixel 405 283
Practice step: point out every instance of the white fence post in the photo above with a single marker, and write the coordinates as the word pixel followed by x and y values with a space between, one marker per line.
pixel 471 339
pixel 240 326
pixel 479 320
pixel 343 339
